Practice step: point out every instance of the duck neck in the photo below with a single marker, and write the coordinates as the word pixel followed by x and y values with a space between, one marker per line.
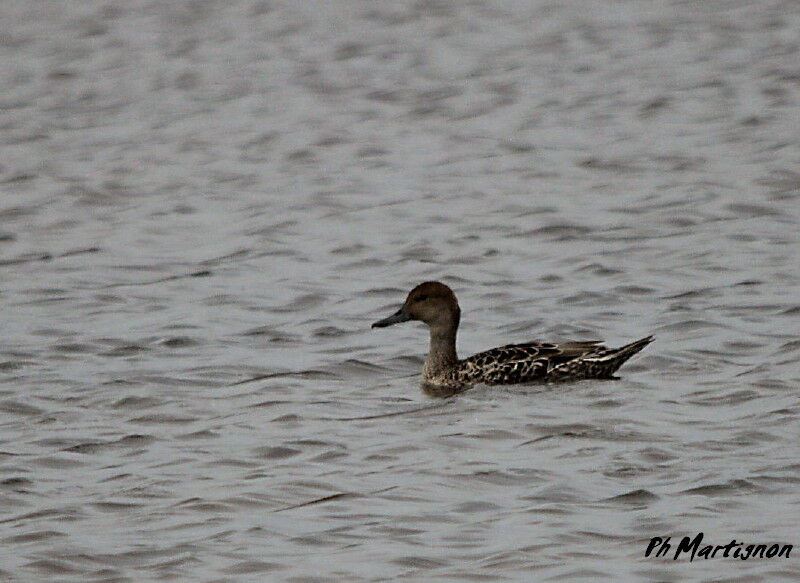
pixel 442 353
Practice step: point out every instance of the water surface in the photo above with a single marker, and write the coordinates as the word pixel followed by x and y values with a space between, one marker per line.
pixel 203 206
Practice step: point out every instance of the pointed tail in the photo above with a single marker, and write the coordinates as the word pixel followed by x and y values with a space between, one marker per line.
pixel 615 358
pixel 630 349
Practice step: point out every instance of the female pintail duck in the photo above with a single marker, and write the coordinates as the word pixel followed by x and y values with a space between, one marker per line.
pixel 435 304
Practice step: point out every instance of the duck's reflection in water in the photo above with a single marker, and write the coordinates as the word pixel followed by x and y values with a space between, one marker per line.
pixel 441 391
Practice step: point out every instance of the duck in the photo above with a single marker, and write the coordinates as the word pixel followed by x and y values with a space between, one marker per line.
pixel 434 304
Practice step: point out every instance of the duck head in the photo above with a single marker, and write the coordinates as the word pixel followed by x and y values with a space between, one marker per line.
pixel 431 302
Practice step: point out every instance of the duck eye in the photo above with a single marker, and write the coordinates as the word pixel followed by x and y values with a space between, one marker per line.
pixel 421 298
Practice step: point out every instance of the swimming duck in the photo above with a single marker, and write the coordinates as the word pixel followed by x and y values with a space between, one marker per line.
pixel 436 305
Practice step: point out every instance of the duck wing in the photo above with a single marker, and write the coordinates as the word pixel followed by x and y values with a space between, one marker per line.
pixel 599 364
pixel 519 363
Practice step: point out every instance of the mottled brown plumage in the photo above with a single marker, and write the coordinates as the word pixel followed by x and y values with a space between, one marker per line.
pixel 436 305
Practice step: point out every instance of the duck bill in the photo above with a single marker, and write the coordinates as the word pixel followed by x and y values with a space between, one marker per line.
pixel 399 316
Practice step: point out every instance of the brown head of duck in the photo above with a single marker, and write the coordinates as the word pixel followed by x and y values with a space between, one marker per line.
pixel 434 304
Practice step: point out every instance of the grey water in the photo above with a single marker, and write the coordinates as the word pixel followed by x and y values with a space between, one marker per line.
pixel 204 205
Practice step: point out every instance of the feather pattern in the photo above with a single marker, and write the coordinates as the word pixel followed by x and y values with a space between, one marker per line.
pixel 543 361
